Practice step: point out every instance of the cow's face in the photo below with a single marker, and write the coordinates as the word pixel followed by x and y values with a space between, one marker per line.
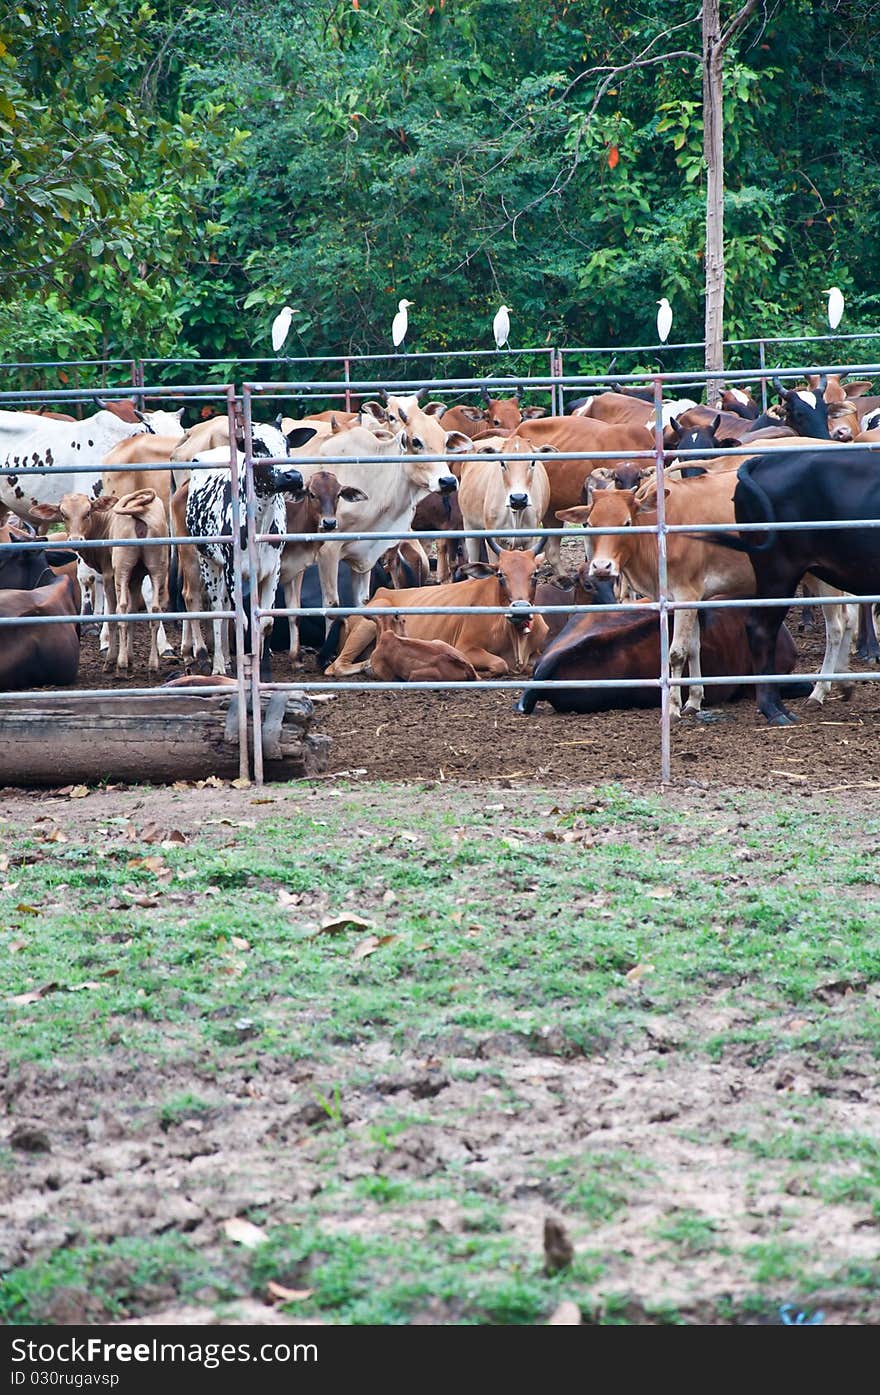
pixel 503 413
pixel 517 474
pixel 611 508
pixel 83 516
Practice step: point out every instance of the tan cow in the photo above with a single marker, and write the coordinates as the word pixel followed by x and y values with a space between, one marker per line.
pixel 494 644
pixel 398 658
pixel 696 570
pixel 513 492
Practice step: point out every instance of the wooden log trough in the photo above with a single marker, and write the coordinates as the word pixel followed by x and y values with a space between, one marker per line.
pixel 145 740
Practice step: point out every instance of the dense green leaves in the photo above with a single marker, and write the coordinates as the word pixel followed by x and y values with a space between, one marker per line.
pixel 173 175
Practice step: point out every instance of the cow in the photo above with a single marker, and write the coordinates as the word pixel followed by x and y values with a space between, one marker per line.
pixel 697 569
pixel 205 435
pixel 398 658
pixel 71 451
pixel 579 589
pixel 513 492
pixel 405 564
pixel 567 477
pixel 494 644
pixel 36 655
pixel 439 513
pixel 209 512
pixel 135 518
pixel 314 511
pixel 806 487
pixel 741 402
pixel 394 486
pixel 624 646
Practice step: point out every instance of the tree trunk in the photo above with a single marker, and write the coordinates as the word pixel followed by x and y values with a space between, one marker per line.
pixel 713 152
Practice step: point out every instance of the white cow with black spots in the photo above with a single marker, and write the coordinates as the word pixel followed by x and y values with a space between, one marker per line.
pixel 72 450
pixel 209 512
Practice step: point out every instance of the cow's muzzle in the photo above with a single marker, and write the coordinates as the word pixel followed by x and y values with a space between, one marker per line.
pixel 328 525
pixel 518 502
pixel 602 568
pixel 447 484
pixel 520 615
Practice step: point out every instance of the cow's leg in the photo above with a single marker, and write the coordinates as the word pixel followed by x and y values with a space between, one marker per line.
pixel 486 664
pixel 553 548
pixel 359 633
pixel 444 571
pixel 292 598
pixel 268 586
pixel 214 588
pixel 161 597
pixel 867 649
pixel 109 589
pixel 164 648
pixel 762 628
pixel 328 573
pixel 840 626
pixel 684 649
pixel 472 546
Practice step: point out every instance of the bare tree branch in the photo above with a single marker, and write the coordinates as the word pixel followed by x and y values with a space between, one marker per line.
pixel 736 23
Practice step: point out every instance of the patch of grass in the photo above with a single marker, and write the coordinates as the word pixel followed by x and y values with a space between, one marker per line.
pixel 180 1107
pixel 688 1233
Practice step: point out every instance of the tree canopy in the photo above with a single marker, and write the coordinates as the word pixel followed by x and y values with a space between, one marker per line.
pixel 171 175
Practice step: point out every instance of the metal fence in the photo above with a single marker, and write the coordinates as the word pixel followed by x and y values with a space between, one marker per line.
pixel 245 541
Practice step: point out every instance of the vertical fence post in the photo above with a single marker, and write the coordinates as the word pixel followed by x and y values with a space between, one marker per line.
pixel 662 587
pixel 237 587
pixel 763 362
pixel 347 384
pixel 251 523
pixel 560 403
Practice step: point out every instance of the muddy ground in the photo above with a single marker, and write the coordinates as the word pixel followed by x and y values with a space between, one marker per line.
pixel 478 736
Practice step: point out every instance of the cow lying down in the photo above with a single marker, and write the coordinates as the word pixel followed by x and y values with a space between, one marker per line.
pixel 32 656
pixel 625 645
pixel 399 659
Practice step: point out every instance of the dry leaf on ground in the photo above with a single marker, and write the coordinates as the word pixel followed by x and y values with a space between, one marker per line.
pixel 244 1232
pixel 288 1295
pixel 343 921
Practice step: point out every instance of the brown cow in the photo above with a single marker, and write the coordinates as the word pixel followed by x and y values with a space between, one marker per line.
pixel 567 477
pixel 696 570
pixel 440 513
pixel 397 658
pixel 624 646
pixel 494 644
pixel 314 512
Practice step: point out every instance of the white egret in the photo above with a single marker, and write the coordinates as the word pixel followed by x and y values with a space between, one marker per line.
pixel 835 306
pixel 281 328
pixel 664 320
pixel 501 326
pixel 400 323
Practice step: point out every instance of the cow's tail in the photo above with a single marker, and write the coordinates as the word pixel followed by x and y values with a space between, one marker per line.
pixel 763 505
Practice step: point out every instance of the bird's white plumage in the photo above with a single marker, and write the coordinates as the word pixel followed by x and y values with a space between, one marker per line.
pixel 664 320
pixel 501 326
pixel 400 323
pixel 835 306
pixel 281 328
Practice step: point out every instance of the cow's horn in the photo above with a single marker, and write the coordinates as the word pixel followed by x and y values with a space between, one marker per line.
pixel 777 387
pixel 539 547
pixel 484 393
pixel 520 391
pixel 100 401
pixel 140 416
pixel 491 543
pixel 823 383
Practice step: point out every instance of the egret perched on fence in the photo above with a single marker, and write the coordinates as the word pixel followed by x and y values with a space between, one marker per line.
pixel 835 306
pixel 281 328
pixel 664 320
pixel 501 326
pixel 400 323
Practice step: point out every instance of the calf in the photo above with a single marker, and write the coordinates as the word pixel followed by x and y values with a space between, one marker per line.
pixel 399 659
pixel 313 512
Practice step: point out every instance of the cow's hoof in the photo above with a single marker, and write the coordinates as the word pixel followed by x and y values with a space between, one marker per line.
pixel 201 664
pixel 846 691
pixel 688 711
pixel 813 705
pixel 168 656
pixel 782 719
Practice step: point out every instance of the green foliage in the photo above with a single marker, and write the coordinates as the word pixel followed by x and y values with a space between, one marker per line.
pixel 173 175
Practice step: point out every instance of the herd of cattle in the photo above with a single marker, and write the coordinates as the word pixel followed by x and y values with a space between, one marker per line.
pixel 397 466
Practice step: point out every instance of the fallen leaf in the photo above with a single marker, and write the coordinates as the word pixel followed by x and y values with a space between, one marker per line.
pixel 263 801
pixel 147 903
pixel 639 972
pixel 241 784
pixel 181 785
pixel 212 783
pixel 151 833
pixel 16 946
pixel 288 1295
pixel 78 987
pixel 367 946
pixel 661 893
pixel 35 995
pixel 56 836
pixel 79 792
pixel 4 862
pixel 26 909
pixel 335 923
pixel 174 837
pixel 238 943
pixel 244 1233
pixel 289 898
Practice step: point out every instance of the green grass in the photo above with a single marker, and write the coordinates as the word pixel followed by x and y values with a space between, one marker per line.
pixel 722 933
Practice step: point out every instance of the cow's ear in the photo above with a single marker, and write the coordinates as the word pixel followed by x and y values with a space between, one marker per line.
pixel 434 409
pixel 716 423
pixel 472 413
pixel 476 570
pixel 49 513
pixel 530 413
pixel 352 495
pixel 578 515
pixel 855 389
pixel 104 502
pixel 649 505
pixel 300 436
pixel 458 441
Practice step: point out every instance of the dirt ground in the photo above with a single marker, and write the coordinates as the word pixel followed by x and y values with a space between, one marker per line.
pixel 478 736
pixel 105 1163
